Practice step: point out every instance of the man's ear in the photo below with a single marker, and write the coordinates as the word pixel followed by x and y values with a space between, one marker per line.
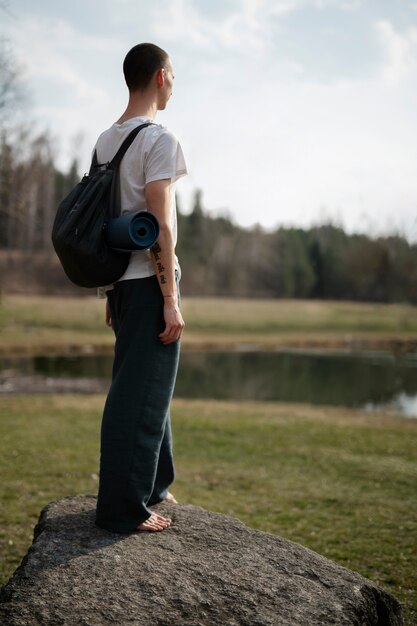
pixel 160 77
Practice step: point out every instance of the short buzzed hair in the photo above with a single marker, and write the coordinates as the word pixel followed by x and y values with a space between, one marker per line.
pixel 141 63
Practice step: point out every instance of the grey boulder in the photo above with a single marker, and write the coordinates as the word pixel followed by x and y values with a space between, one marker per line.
pixel 207 569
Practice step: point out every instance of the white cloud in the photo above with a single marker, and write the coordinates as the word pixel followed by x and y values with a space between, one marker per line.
pixel 50 54
pixel 339 4
pixel 246 29
pixel 179 20
pixel 399 50
pixel 282 8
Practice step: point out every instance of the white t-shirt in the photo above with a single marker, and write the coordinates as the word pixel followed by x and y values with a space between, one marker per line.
pixel 155 154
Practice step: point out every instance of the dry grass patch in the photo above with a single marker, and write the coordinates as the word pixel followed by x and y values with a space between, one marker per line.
pixel 36 323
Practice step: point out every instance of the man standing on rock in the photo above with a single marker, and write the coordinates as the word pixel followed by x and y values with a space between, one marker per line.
pixel 136 461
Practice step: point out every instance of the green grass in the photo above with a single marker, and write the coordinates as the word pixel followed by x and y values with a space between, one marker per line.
pixel 339 481
pixel 39 323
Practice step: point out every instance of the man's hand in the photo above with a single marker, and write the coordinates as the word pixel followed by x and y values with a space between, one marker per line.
pixel 174 323
pixel 108 315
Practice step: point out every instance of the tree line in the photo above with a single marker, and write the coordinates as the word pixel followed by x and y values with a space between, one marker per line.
pixel 221 258
pixel 30 188
pixel 218 257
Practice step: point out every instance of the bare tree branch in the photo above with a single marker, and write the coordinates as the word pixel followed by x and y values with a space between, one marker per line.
pixel 12 91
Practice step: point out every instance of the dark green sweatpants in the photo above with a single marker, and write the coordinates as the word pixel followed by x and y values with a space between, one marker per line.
pixel 136 460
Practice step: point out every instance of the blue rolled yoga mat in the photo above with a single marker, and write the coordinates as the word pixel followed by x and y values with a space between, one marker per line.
pixel 133 231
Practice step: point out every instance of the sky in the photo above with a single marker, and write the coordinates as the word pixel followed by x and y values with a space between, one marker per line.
pixel 289 112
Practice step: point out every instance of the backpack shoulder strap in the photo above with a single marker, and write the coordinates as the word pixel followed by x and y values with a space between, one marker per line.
pixel 114 165
pixel 115 162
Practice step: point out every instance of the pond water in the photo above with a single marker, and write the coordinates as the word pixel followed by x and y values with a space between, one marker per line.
pixel 367 380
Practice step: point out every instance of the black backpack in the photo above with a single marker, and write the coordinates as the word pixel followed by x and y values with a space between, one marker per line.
pixel 78 229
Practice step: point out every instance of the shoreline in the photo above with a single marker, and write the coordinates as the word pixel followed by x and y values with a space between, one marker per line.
pixel 346 344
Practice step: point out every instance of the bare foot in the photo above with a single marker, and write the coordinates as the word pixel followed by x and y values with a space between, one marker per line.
pixel 171 498
pixel 154 523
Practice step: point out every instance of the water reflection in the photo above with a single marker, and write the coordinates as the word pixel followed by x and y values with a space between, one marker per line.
pixel 371 381
pixel 354 381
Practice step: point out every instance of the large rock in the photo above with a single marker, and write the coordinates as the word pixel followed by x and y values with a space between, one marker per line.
pixel 207 569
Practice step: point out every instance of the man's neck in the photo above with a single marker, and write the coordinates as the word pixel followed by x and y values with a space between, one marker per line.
pixel 139 105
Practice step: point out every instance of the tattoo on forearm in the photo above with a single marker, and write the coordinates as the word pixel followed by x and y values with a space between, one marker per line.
pixel 156 249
